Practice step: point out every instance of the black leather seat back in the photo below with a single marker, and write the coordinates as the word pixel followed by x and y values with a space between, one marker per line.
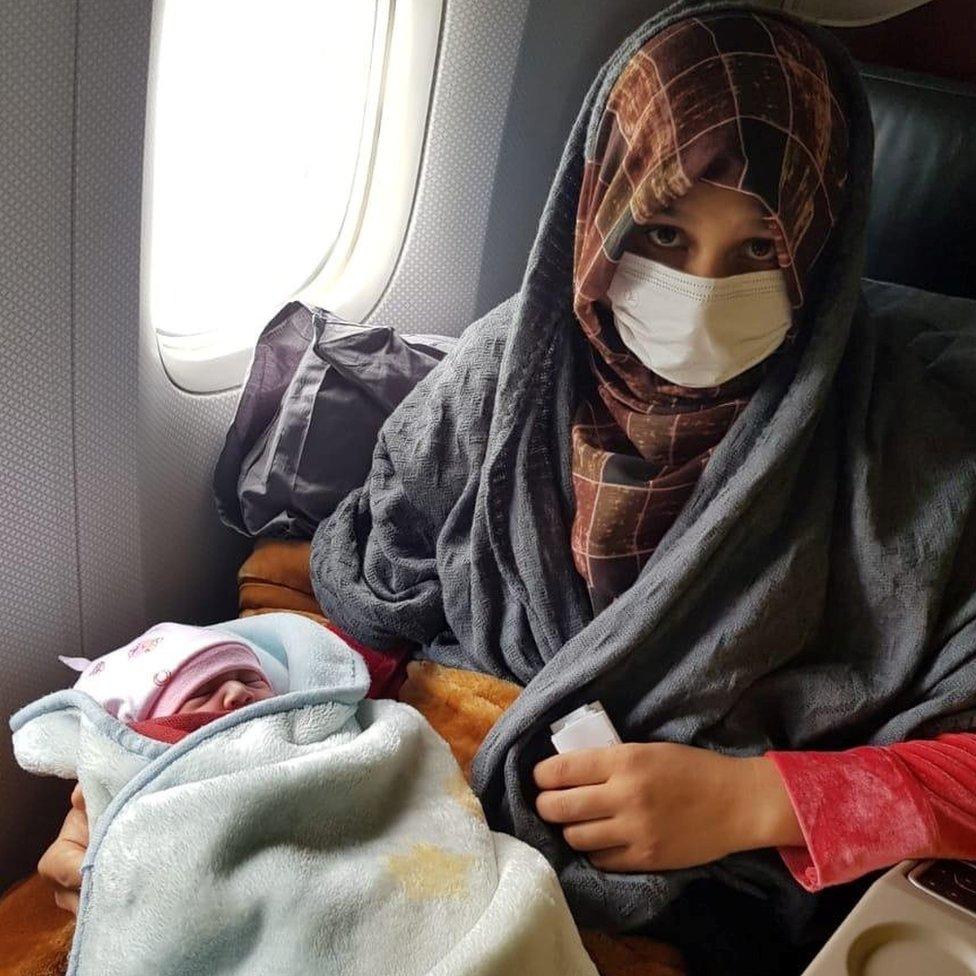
pixel 922 230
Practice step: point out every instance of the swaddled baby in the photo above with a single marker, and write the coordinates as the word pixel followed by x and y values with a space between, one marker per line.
pixel 304 828
pixel 175 678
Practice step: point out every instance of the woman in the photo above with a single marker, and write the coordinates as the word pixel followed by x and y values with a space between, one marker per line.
pixel 687 470
pixel 747 533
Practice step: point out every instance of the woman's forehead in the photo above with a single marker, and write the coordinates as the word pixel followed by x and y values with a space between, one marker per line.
pixel 705 199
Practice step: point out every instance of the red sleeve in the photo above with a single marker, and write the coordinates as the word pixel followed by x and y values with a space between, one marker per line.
pixel 870 807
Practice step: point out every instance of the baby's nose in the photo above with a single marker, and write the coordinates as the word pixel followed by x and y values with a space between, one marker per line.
pixel 235 695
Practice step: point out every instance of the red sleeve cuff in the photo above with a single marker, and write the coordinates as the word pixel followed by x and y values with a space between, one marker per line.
pixel 858 811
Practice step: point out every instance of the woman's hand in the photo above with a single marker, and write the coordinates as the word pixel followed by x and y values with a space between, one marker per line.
pixel 61 862
pixel 658 806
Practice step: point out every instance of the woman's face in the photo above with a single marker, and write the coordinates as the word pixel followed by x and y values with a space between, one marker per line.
pixel 224 693
pixel 711 232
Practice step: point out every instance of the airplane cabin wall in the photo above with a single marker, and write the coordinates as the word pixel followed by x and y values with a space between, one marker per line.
pixel 39 598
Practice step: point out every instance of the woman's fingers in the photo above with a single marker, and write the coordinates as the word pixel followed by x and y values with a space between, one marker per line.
pixel 61 862
pixel 77 797
pixel 613 859
pixel 75 828
pixel 581 767
pixel 595 835
pixel 576 803
pixel 66 900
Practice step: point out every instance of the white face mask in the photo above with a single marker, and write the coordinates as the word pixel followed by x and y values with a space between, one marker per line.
pixel 694 331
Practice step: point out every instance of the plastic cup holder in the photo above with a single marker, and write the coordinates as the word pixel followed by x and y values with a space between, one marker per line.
pixel 902 949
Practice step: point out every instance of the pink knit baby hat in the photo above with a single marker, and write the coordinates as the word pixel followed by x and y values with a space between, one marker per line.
pixel 157 672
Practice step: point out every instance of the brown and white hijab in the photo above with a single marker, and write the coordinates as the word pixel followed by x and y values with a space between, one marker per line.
pixel 742 101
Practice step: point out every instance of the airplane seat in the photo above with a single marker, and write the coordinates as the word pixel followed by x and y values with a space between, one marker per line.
pixel 922 226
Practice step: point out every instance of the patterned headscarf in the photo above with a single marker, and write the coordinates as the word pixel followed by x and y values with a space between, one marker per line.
pixel 738 100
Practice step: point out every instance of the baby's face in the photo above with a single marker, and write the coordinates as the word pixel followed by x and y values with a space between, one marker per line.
pixel 225 692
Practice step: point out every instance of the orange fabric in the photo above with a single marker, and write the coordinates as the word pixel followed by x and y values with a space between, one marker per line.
pixel 35 936
pixel 460 705
pixel 276 577
pixel 269 596
pixel 282 562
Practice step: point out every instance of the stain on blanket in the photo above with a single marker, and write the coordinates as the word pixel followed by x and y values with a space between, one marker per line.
pixel 456 787
pixel 427 871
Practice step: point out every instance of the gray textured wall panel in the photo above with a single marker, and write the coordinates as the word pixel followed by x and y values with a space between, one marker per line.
pixel 112 51
pixel 432 289
pixel 38 568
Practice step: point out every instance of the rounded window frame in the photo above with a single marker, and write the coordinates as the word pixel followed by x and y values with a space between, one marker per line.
pixel 357 269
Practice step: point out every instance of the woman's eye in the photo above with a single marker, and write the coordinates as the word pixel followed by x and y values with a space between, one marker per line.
pixel 760 248
pixel 664 235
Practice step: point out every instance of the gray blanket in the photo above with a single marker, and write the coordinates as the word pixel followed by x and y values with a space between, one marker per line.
pixel 816 592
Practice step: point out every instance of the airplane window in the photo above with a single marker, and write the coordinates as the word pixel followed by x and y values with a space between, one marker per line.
pixel 255 132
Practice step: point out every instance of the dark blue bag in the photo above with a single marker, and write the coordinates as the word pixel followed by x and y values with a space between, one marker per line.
pixel 318 390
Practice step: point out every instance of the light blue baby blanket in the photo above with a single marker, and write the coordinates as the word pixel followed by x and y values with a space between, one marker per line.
pixel 314 832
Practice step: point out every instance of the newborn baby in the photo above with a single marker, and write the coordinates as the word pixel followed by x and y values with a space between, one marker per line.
pixel 305 829
pixel 175 678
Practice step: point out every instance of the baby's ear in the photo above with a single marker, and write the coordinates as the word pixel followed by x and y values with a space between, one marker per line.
pixel 75 663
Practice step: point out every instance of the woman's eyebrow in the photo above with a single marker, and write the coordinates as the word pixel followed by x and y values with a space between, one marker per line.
pixel 755 226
